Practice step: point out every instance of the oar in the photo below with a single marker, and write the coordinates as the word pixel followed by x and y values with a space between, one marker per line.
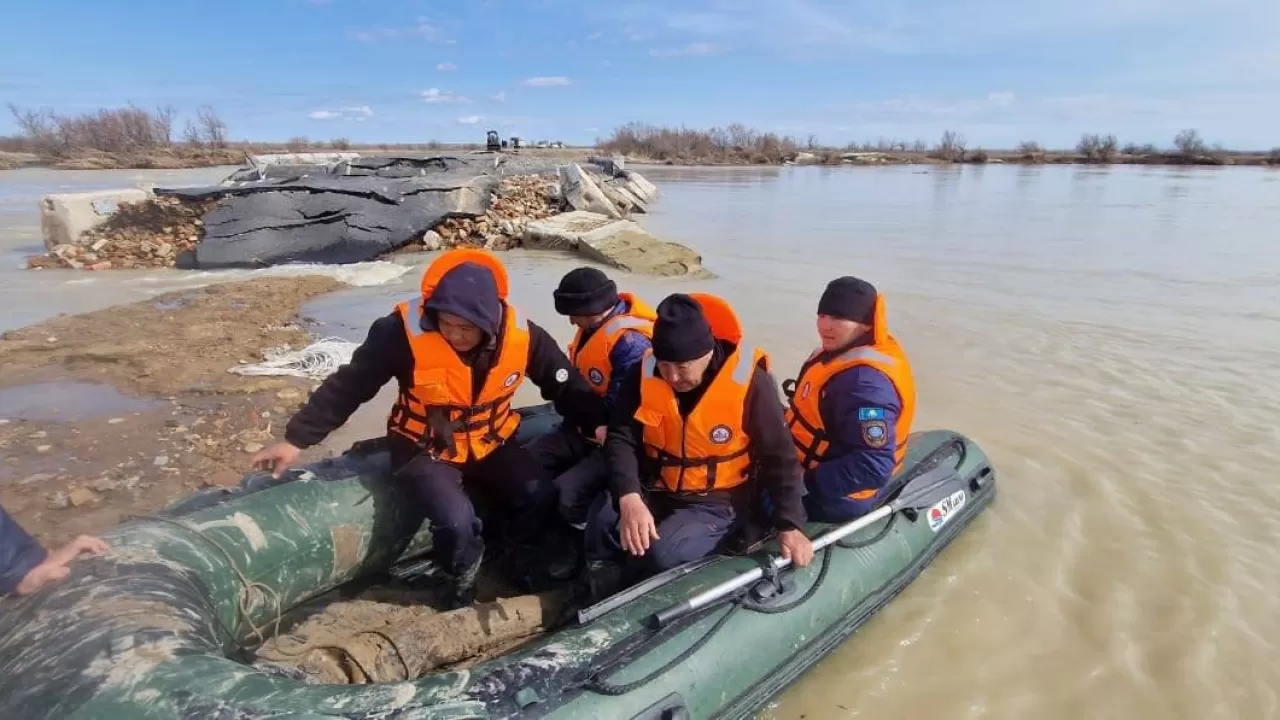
pixel 922 492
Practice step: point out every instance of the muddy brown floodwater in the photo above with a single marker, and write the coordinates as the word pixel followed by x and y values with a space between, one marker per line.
pixel 118 412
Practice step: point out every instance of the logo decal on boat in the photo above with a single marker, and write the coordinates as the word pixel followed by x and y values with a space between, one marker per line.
pixel 595 376
pixel 721 434
pixel 942 511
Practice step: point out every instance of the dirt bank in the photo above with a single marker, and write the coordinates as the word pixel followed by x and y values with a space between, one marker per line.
pixel 119 411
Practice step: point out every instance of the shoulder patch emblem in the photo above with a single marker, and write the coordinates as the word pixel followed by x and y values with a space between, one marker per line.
pixel 511 379
pixel 595 376
pixel 721 434
pixel 875 433
pixel 870 413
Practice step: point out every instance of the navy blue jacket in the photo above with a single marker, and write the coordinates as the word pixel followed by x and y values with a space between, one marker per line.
pixel 627 352
pixel 19 553
pixel 851 399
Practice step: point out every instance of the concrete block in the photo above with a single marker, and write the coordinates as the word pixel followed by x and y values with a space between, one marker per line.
pixel 622 244
pixel 65 216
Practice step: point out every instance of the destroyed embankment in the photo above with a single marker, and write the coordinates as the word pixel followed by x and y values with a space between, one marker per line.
pixel 345 209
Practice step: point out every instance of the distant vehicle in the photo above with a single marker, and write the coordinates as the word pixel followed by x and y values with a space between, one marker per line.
pixel 493 142
pixel 515 143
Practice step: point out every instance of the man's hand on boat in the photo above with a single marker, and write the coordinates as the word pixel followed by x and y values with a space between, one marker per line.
pixel 795 547
pixel 635 524
pixel 57 566
pixel 276 458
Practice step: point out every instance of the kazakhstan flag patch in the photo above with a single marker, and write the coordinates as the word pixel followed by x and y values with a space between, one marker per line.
pixel 870 413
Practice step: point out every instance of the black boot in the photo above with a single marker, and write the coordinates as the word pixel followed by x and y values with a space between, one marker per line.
pixel 524 568
pixel 604 578
pixel 564 554
pixel 462 593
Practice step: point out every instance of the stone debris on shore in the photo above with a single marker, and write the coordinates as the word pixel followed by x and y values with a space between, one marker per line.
pixel 149 233
pixel 343 210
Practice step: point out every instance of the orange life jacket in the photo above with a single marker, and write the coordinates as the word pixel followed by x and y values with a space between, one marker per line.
pixel 438 412
pixel 708 450
pixel 811 437
pixel 593 359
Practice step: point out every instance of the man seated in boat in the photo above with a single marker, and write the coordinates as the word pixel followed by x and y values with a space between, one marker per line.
pixel 613 335
pixel 459 352
pixel 852 405
pixel 26 567
pixel 696 431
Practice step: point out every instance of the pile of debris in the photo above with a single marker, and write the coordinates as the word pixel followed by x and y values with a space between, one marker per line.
pixel 145 234
pixel 520 199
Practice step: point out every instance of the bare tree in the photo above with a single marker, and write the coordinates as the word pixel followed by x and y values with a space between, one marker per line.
pixel 1190 144
pixel 212 128
pixel 1098 148
pixel 162 120
pixel 950 147
pixel 191 135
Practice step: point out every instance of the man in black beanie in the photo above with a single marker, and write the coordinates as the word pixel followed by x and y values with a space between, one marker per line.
pixel 459 352
pixel 612 338
pixel 696 432
pixel 852 405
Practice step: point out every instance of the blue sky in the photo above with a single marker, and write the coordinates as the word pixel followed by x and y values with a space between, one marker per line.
pixel 998 71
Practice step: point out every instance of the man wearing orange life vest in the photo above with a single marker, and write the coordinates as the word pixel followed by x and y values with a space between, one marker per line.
pixel 612 338
pixel 695 428
pixel 459 353
pixel 852 405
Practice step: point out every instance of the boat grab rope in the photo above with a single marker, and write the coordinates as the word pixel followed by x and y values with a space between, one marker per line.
pixel 598 681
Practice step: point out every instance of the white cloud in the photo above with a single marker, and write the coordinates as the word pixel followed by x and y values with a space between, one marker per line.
pixel 554 81
pixel 806 28
pixel 422 28
pixel 1001 98
pixel 692 49
pixel 446 67
pixel 595 36
pixel 500 96
pixel 436 95
pixel 358 113
pixel 469 120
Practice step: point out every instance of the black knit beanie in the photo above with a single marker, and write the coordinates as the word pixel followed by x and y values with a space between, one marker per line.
pixel 849 298
pixel 585 291
pixel 681 332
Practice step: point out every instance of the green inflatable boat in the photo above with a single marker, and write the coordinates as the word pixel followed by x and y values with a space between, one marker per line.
pixel 158 627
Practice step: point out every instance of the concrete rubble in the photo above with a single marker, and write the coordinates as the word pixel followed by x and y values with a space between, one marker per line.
pixel 339 208
pixel 619 243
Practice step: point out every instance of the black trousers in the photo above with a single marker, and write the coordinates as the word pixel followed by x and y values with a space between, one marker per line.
pixel 508 479
pixel 577 467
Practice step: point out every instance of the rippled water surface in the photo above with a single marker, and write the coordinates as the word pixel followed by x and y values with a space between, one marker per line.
pixel 1110 336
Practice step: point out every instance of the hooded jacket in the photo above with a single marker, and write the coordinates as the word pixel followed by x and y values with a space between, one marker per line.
pixel 469 292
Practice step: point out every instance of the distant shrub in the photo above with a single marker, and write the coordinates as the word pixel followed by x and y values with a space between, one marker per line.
pixel 1098 148
pixel 734 143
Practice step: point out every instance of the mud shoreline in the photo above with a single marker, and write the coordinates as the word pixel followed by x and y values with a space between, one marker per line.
pixel 120 411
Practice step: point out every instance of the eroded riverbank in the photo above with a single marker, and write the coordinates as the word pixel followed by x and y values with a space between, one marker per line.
pixel 119 411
